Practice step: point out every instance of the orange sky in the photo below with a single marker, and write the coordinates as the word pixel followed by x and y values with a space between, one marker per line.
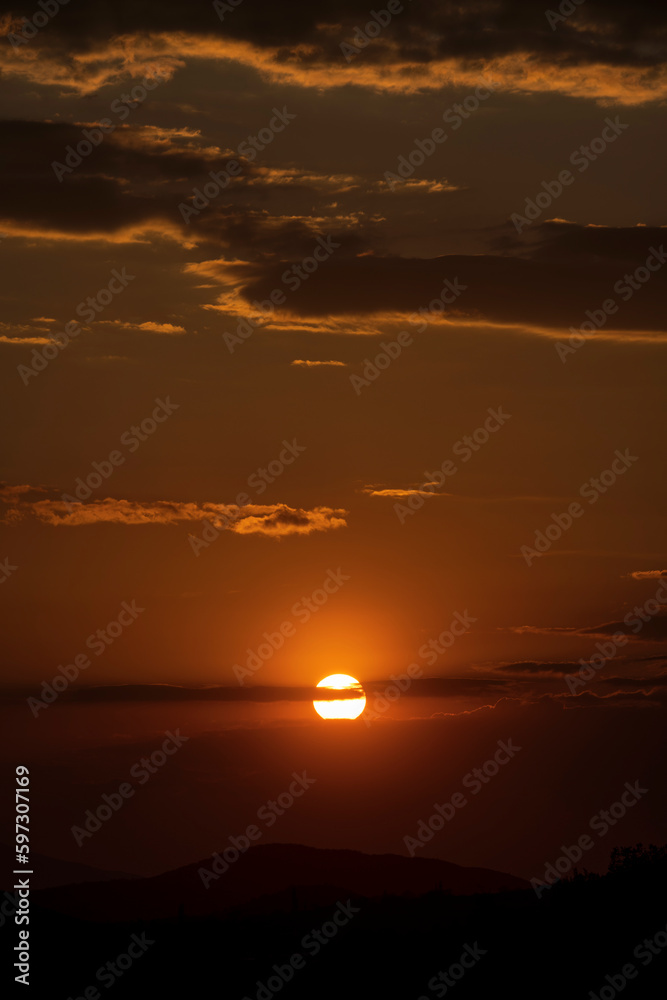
pixel 315 374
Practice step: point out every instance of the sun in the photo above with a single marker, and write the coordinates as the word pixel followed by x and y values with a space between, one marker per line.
pixel 344 708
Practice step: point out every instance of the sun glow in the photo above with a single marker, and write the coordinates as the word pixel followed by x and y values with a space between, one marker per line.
pixel 344 708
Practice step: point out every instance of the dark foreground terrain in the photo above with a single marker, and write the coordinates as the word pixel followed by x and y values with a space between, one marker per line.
pixel 589 933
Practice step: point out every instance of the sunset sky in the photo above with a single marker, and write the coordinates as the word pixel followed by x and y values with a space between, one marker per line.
pixel 502 172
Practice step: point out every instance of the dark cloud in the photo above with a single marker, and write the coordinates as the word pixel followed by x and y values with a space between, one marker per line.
pixel 430 687
pixel 636 683
pixel 619 699
pixel 168 692
pixel 614 32
pixel 139 177
pixel 605 51
pixel 491 692
pixel 545 287
pixel 647 624
pixel 546 280
pixel 653 630
pixel 537 667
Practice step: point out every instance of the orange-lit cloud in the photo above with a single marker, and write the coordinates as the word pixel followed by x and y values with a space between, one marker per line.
pixel 605 68
pixel 508 288
pixel 274 520
pixel 342 183
pixel 645 627
pixel 319 364
pixel 140 232
pixel 400 492
pixel 147 327
pixel 22 334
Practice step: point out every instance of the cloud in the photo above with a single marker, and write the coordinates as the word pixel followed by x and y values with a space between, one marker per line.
pixel 648 574
pixel 281 520
pixel 113 197
pixel 273 520
pixel 424 687
pixel 637 683
pixel 399 492
pixel 423 186
pixel 148 327
pixel 173 692
pixel 13 493
pixel 130 187
pixel 619 699
pixel 544 629
pixel 653 630
pixel 409 491
pixel 330 184
pixel 537 668
pixel 644 627
pixel 23 341
pixel 510 287
pixel 608 52
pixel 20 334
pixel 493 692
pixel 319 364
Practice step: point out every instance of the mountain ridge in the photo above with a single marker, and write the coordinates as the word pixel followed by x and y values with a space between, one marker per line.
pixel 229 879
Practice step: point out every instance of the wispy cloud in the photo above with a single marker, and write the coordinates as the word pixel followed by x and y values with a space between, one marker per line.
pixel 273 520
pixel 319 364
pixel 148 327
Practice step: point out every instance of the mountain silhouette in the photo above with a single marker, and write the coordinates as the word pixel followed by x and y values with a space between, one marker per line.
pixel 50 872
pixel 271 877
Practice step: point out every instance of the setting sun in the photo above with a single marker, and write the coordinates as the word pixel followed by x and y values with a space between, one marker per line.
pixel 344 708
